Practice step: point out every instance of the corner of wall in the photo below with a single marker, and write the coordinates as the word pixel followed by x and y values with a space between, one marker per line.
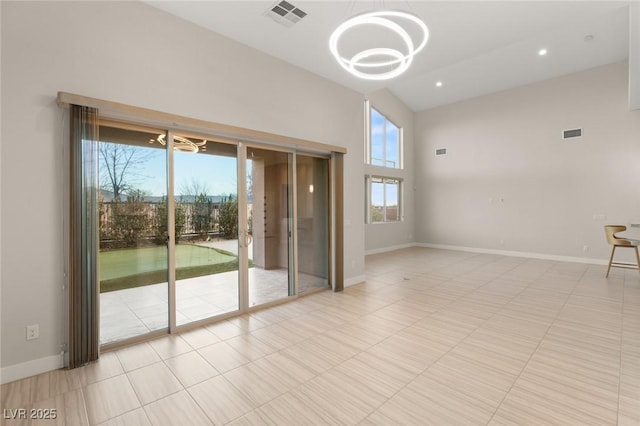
pixel 15 372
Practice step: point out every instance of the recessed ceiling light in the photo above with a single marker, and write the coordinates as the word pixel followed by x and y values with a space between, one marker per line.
pixel 438 84
pixel 588 38
pixel 542 52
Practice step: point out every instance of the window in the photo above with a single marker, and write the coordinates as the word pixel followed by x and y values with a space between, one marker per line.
pixel 384 199
pixel 384 147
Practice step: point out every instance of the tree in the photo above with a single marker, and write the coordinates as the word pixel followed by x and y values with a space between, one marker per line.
pixel 228 221
pixel 130 222
pixel 161 220
pixel 189 191
pixel 202 215
pixel 377 214
pixel 119 163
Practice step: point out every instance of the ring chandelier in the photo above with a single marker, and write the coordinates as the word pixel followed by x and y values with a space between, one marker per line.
pixel 183 144
pixel 361 64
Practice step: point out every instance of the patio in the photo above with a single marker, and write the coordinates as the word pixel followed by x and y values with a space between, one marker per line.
pixel 135 311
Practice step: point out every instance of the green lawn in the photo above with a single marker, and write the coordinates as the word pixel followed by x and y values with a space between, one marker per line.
pixel 126 268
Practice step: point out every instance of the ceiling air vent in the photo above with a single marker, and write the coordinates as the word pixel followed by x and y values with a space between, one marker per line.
pixel 441 151
pixel 285 13
pixel 571 133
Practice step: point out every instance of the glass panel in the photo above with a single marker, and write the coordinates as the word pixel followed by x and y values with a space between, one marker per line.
pixel 391 187
pixel 270 216
pixel 377 138
pixel 206 223
pixel 392 146
pixel 133 251
pixel 377 200
pixel 313 222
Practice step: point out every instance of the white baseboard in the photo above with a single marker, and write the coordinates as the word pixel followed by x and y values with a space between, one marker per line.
pixel 391 248
pixel 355 280
pixel 30 368
pixel 517 254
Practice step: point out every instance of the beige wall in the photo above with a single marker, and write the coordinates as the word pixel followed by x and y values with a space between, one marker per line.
pixel 131 53
pixel 634 56
pixel 385 236
pixel 509 182
pixel 504 146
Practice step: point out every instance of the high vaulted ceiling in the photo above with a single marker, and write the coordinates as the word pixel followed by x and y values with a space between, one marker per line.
pixel 474 48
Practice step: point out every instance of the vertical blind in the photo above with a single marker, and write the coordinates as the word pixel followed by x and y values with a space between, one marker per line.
pixel 83 238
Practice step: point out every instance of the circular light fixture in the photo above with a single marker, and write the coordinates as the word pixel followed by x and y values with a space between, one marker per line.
pixel 364 62
pixel 183 144
pixel 438 84
pixel 542 52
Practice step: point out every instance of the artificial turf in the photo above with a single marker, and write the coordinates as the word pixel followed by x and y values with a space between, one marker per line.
pixel 128 268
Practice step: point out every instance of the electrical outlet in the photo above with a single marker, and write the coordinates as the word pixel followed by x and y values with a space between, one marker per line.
pixel 585 248
pixel 33 332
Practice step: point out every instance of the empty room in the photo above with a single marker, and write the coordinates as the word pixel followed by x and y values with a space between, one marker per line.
pixel 320 212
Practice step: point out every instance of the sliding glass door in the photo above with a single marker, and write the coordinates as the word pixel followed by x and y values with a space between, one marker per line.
pixel 270 219
pixel 312 195
pixel 173 228
pixel 206 227
pixel 132 204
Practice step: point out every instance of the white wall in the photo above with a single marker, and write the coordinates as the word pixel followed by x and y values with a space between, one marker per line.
pixel 385 236
pixel 131 53
pixel 509 182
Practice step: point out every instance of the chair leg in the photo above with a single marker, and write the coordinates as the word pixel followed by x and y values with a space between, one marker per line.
pixel 637 257
pixel 613 250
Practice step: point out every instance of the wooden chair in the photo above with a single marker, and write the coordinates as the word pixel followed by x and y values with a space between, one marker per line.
pixel 611 231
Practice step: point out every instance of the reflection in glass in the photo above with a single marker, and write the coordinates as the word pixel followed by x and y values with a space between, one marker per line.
pixel 312 176
pixel 269 216
pixel 133 231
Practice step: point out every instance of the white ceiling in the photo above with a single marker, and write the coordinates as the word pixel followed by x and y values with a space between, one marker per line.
pixel 474 48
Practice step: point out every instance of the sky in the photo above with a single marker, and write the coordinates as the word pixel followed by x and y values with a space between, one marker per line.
pixel 377 194
pixel 384 137
pixel 218 174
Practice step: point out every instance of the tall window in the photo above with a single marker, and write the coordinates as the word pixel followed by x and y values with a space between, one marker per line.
pixel 384 199
pixel 385 142
pixel 384 149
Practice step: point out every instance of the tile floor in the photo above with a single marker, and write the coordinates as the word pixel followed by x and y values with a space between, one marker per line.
pixel 135 311
pixel 432 337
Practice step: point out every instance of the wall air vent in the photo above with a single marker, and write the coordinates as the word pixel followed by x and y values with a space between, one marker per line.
pixel 285 13
pixel 571 133
pixel 441 151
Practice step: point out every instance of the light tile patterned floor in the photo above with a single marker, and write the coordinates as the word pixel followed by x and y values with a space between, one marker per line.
pixel 433 337
pixel 135 311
